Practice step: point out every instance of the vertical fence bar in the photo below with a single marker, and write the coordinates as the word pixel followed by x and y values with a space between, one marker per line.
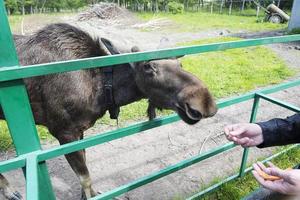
pixel 246 150
pixel 16 108
pixel 32 181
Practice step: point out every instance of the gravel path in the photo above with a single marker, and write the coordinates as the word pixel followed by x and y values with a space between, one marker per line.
pixel 127 159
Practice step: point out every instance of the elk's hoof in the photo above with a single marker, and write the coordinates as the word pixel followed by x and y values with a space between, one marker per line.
pixel 83 196
pixel 15 196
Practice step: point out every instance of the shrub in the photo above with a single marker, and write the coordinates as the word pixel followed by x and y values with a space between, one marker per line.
pixel 175 7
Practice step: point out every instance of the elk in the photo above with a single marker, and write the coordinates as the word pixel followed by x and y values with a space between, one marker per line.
pixel 69 103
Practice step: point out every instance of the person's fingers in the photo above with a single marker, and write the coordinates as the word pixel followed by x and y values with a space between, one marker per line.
pixel 258 177
pixel 251 143
pixel 266 169
pixel 237 131
pixel 272 185
pixel 256 167
pixel 244 140
pixel 229 128
pixel 241 141
pixel 271 164
pixel 246 145
pixel 229 137
pixel 262 166
pixel 274 171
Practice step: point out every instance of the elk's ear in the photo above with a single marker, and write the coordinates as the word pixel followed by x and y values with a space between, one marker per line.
pixel 107 46
pixel 164 43
pixel 135 49
pixel 103 50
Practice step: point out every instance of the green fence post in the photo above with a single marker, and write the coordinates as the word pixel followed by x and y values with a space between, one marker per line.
pixel 32 181
pixel 16 108
pixel 246 150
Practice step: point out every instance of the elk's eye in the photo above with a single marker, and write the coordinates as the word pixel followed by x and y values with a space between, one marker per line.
pixel 147 67
pixel 150 69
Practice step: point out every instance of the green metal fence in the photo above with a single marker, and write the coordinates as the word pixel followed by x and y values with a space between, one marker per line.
pixel 15 104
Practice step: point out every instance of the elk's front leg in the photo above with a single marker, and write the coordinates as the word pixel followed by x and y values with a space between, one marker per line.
pixel 151 111
pixel 78 164
pixel 8 192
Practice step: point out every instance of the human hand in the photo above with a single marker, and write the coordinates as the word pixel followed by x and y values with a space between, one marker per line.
pixel 289 182
pixel 245 134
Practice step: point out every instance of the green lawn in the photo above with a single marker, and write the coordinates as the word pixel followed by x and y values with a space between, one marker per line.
pixel 201 21
pixel 236 71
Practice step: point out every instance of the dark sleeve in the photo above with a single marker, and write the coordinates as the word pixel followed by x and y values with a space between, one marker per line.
pixel 280 131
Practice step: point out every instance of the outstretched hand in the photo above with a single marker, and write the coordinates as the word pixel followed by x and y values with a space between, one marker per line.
pixel 289 182
pixel 245 134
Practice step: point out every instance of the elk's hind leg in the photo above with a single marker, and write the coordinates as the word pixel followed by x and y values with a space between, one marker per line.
pixel 78 164
pixel 151 111
pixel 8 192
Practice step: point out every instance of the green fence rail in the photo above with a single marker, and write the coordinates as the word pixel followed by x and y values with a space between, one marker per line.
pixel 15 104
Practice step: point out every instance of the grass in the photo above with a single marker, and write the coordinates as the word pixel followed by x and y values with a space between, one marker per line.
pixel 5 139
pixel 14 22
pixel 226 73
pixel 241 187
pixel 236 71
pixel 35 20
pixel 201 21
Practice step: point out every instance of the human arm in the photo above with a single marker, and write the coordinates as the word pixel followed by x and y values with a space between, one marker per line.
pixel 280 131
pixel 264 134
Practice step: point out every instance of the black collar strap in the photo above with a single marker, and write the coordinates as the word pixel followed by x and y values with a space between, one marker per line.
pixel 113 109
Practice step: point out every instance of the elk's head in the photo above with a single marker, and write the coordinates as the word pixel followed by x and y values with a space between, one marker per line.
pixel 168 86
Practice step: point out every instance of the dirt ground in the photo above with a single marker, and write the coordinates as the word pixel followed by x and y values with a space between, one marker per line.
pixel 124 160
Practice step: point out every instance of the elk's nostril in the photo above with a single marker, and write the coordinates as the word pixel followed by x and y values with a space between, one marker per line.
pixel 194 113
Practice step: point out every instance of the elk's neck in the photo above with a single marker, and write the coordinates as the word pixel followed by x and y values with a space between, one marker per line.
pixel 125 88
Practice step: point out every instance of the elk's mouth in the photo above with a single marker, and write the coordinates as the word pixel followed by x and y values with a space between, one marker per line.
pixel 188 114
